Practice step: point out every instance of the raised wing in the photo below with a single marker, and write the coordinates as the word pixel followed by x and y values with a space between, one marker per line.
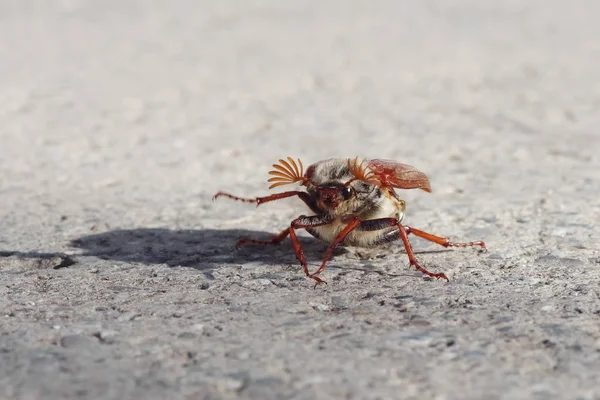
pixel 397 175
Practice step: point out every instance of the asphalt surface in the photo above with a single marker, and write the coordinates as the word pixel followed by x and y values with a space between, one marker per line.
pixel 118 274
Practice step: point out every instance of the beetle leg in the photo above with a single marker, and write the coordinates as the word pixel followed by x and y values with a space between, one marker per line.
pixel 304 222
pixel 354 222
pixel 441 240
pixel 260 200
pixel 277 196
pixel 411 255
pixel 381 223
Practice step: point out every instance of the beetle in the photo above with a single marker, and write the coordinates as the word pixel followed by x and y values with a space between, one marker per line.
pixel 354 203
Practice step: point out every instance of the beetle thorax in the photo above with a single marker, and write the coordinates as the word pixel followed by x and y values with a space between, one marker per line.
pixel 332 178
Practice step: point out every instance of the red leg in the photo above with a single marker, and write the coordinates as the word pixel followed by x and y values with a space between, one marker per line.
pixel 275 240
pixel 299 251
pixel 305 222
pixel 277 196
pixel 354 222
pixel 258 200
pixel 411 254
pixel 440 240
pixel 382 223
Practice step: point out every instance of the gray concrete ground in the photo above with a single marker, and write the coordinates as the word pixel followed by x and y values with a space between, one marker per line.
pixel 120 120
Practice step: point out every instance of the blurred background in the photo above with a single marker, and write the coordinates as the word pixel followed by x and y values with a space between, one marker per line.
pixel 150 108
pixel 111 94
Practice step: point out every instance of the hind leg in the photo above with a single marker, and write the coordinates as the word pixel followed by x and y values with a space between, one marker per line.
pixel 441 240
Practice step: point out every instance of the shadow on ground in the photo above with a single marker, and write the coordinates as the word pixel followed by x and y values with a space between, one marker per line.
pixel 203 249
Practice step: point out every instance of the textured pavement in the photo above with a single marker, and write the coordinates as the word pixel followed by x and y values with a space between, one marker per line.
pixel 118 274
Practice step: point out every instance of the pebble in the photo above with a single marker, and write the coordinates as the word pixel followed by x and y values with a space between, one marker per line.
pixel 339 302
pixel 107 336
pixel 187 335
pixel 239 354
pixel 130 316
pixel 252 265
pixel 417 339
pixel 235 382
pixel 76 341
pixel 562 261
pixel 256 283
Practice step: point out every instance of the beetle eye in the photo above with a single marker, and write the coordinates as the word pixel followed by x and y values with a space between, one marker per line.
pixel 347 192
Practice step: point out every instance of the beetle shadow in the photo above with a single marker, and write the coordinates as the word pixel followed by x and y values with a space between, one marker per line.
pixel 202 249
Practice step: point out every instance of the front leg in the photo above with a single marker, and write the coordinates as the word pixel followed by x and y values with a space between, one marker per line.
pixel 276 239
pixel 303 222
pixel 352 224
pixel 277 196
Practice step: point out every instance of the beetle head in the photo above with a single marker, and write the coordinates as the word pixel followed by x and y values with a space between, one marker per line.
pixel 331 196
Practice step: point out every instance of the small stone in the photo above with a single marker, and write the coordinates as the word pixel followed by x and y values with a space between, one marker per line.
pixel 548 343
pixel 56 327
pixel 338 302
pixel 369 295
pixel 418 339
pixel 76 341
pixel 257 284
pixel 130 316
pixel 562 261
pixel 187 335
pixel 559 231
pixel 419 322
pixel 107 336
pixel 240 354
pixel 235 382
pixel 251 265
pixel 62 262
pixel 450 356
pixel 235 385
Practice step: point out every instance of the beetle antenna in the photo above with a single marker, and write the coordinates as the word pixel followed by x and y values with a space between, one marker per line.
pixel 360 172
pixel 287 172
